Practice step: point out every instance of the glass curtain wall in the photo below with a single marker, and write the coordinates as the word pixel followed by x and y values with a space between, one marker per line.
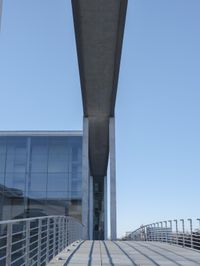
pixel 40 176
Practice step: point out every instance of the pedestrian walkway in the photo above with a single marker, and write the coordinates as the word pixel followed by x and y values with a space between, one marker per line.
pixel 125 253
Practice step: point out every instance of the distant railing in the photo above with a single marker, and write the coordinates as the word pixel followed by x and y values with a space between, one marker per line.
pixel 185 233
pixel 35 241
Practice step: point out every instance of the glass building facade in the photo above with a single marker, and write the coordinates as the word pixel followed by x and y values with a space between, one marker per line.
pixel 40 174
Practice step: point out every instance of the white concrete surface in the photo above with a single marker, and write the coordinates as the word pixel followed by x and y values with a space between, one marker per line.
pixel 126 253
pixel 85 179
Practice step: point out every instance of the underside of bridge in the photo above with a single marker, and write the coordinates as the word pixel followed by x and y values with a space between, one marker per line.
pixel 99 27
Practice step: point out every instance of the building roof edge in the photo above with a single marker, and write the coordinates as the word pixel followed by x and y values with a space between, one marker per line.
pixel 57 133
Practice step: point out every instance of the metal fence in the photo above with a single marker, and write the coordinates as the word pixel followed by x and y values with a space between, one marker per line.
pixel 183 232
pixel 35 241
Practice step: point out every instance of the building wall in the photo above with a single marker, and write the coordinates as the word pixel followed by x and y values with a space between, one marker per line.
pixel 40 175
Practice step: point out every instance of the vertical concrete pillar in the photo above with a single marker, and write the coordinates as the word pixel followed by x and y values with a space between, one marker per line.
pixel 91 210
pixel 105 209
pixel 113 211
pixel 85 179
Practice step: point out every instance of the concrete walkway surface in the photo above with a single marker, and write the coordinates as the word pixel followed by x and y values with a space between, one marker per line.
pixel 125 253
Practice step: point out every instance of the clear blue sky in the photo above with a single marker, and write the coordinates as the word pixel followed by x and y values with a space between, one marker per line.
pixel 158 101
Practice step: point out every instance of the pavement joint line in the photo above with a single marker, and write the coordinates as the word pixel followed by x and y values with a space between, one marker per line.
pixel 73 252
pixel 108 254
pixel 90 254
pixel 175 253
pixel 142 253
pixel 127 255
pixel 179 246
pixel 100 251
pixel 66 251
pixel 123 253
pixel 162 255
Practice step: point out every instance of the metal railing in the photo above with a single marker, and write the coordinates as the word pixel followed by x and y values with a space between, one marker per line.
pixel 35 241
pixel 183 232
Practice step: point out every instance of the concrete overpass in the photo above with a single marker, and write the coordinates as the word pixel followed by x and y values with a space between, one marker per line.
pixel 99 28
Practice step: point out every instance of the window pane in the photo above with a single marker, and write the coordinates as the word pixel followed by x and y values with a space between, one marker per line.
pixel 76 194
pixel 75 209
pixel 37 204
pixel 37 195
pixel 58 159
pixel 39 158
pixel 2 145
pixel 75 147
pixel 15 181
pixel 75 180
pixel 2 156
pixel 13 207
pixel 57 182
pixel 57 204
pixel 38 182
pixel 57 195
pixel 16 159
pixel 1 181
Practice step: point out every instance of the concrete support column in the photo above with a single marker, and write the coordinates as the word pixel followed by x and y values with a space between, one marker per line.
pixel 91 210
pixel 105 209
pixel 85 179
pixel 113 210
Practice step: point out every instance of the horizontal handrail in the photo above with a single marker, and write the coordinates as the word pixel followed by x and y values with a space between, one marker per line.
pixel 36 218
pixel 36 240
pixel 183 232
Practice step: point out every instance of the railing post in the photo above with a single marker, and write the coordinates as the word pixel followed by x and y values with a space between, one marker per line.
pixel 27 242
pixel 157 232
pixel 154 230
pixel 198 234
pixel 161 231
pixel 176 226
pixel 54 236
pixel 67 232
pixel 198 221
pixel 53 233
pixel 39 241
pixel 191 232
pixel 62 234
pixel 8 244
pixel 72 229
pixel 170 225
pixel 151 229
pixel 183 231
pixel 47 247
pixel 142 233
pixel 165 233
pixel 146 233
pixel 136 236
pixel 59 235
pixel 75 231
